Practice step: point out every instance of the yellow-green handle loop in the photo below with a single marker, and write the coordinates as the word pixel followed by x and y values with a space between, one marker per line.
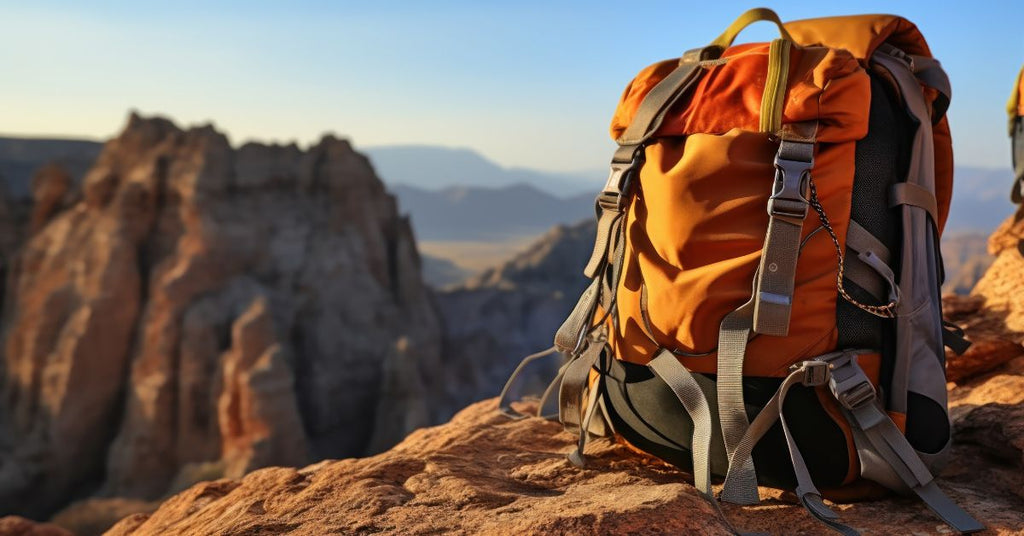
pixel 754 15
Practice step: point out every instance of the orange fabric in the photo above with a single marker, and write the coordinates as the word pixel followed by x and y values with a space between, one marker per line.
pixel 697 249
pixel 824 84
pixel 697 224
pixel 1020 100
pixel 900 419
pixel 861 35
pixel 831 407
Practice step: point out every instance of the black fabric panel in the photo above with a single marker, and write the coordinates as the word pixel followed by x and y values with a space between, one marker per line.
pixel 647 414
pixel 929 430
pixel 882 159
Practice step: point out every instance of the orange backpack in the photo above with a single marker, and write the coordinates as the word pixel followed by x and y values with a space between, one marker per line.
pixel 1015 109
pixel 764 303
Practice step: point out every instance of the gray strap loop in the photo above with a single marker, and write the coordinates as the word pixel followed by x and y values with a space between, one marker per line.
pixel 574 384
pixel 667 367
pixel 872 278
pixel 733 335
pixel 659 100
pixel 504 404
pixel 885 440
pixel 860 240
pixel 906 193
pixel 787 209
pixel 570 336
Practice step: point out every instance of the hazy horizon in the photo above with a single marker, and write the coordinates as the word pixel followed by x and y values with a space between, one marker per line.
pixel 527 85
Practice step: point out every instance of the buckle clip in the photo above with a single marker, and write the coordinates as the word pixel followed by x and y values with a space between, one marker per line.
pixel 856 396
pixel 789 192
pixel 616 188
pixel 815 372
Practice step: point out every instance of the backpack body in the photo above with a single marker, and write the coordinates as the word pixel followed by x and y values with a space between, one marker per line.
pixel 765 304
pixel 1015 109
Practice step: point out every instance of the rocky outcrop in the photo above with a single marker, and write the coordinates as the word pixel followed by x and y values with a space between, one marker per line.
pixel 992 342
pixel 505 313
pixel 199 310
pixel 1002 286
pixel 19 526
pixel 964 261
pixel 484 474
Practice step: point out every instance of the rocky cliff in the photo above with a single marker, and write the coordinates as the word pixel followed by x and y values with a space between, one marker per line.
pixel 510 311
pixel 198 310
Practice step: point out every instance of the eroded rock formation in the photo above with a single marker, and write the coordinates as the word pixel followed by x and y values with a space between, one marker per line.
pixel 510 311
pixel 202 310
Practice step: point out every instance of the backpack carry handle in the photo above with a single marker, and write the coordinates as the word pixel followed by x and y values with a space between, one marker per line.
pixel 754 15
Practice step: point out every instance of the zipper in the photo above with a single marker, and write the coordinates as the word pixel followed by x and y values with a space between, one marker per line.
pixel 772 100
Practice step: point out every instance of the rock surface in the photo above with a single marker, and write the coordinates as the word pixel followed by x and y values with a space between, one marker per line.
pixel 198 310
pixel 19 526
pixel 484 474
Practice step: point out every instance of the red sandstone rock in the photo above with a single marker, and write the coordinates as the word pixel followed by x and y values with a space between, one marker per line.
pixel 484 474
pixel 203 309
pixel 19 526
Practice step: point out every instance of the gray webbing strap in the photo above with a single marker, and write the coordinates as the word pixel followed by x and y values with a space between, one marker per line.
pixel 930 73
pixel 854 391
pixel 865 277
pixel 569 337
pixel 574 384
pixel 504 404
pixel 809 373
pixel 906 193
pixel 732 346
pixel 552 387
pixel 661 97
pixel 606 223
pixel 787 209
pixel 576 456
pixel 1017 145
pixel 869 269
pixel 861 240
pixel 667 367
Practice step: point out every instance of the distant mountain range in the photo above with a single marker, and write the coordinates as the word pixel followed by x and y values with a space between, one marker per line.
pixel 497 213
pixel 21 157
pixel 434 168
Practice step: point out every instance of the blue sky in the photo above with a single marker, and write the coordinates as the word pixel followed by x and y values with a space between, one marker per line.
pixel 525 83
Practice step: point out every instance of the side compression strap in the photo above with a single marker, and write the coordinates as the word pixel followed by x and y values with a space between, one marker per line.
pixel 855 393
pixel 666 366
pixel 769 308
pixel 732 346
pixel 504 404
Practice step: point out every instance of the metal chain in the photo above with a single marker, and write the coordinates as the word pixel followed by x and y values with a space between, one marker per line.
pixel 885 311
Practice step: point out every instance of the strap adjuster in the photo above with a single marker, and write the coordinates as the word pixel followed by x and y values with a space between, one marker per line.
pixel 856 396
pixel 789 198
pixel 620 178
pixel 815 372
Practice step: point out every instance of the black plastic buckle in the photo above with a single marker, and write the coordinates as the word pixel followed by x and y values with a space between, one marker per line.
pixel 815 372
pixel 616 188
pixel 789 194
pixel 856 396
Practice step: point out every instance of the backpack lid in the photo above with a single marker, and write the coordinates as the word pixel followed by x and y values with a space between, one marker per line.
pixel 861 35
pixel 824 84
